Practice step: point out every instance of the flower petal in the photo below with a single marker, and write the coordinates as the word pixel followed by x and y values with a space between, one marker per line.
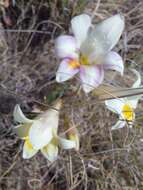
pixel 19 116
pixel 119 125
pixel 28 150
pixel 109 31
pixel 75 138
pixel 103 37
pixel 66 144
pixel 137 83
pixel 91 77
pixel 66 70
pixel 114 61
pixel 66 47
pixel 40 134
pixel 133 101
pixel 50 152
pixel 80 26
pixel 41 131
pixel 22 130
pixel 115 105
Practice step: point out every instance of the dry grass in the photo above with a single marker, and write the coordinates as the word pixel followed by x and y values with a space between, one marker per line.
pixel 106 160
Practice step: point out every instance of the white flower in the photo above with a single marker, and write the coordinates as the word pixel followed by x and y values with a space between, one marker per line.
pixel 125 107
pixel 41 133
pixel 88 52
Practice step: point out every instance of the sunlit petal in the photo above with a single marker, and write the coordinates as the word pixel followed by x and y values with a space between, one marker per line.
pixel 40 134
pixel 119 125
pixel 66 47
pixel 103 37
pixel 114 61
pixel 67 69
pixel 28 150
pixel 66 144
pixel 115 105
pixel 110 31
pixel 80 26
pixel 91 77
pixel 19 116
pixel 50 152
pixel 41 131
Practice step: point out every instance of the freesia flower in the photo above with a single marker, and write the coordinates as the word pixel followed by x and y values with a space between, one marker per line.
pixel 88 52
pixel 125 107
pixel 41 133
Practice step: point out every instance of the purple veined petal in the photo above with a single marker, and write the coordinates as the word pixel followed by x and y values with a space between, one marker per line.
pixel 91 77
pixel 80 26
pixel 66 46
pixel 67 69
pixel 114 61
pixel 119 125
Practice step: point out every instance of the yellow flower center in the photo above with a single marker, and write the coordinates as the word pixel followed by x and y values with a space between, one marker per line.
pixel 128 112
pixel 74 64
pixel 84 60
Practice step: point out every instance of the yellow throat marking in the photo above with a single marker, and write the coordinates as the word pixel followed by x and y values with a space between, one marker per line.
pixel 84 60
pixel 74 64
pixel 128 112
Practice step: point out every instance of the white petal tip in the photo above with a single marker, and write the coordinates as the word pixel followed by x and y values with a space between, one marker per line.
pixel 80 26
pixel 19 116
pixel 114 61
pixel 119 17
pixel 59 78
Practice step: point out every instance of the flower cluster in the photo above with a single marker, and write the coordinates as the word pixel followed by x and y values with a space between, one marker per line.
pixel 87 52
pixel 41 133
